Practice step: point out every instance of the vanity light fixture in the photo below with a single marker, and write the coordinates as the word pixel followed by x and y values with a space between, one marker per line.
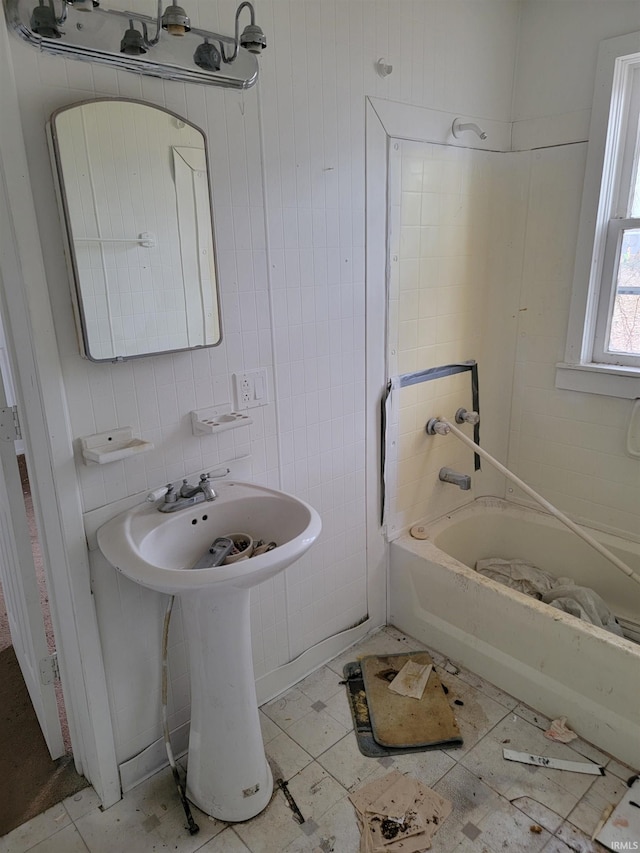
pixel 207 56
pixel 132 42
pixel 216 59
pixel 44 21
pixel 175 20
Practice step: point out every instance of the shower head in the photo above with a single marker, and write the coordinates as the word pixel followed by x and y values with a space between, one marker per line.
pixel 459 127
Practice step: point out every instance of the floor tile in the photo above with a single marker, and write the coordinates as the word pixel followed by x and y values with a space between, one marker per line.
pixel 498 805
pixel 149 818
pixel 428 767
pixel 35 830
pixel 605 790
pixel 487 689
pixel 268 727
pixel 68 840
pixel 536 719
pixel 317 731
pixel 538 813
pixel 577 841
pixel 321 684
pixel 507 828
pixel 226 842
pixel 337 831
pixel 475 712
pixel 472 801
pixel 81 803
pixel 287 708
pixel 314 792
pixel 286 756
pixel 622 771
pixel 348 765
pixel 338 707
pixel 559 790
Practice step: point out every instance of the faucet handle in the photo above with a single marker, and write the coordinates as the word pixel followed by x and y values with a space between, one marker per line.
pixel 436 427
pixel 216 474
pixel 465 417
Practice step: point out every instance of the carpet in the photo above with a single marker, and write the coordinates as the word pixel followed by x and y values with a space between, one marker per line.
pixel 30 782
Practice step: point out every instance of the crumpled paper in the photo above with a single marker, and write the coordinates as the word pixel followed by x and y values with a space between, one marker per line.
pixel 398 814
pixel 559 731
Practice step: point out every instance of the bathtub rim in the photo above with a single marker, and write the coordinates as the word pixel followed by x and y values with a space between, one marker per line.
pixel 427 549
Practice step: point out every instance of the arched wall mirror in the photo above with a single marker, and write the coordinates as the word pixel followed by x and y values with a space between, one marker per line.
pixel 135 194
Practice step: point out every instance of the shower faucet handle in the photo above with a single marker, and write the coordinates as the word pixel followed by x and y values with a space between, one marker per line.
pixel 465 417
pixel 436 427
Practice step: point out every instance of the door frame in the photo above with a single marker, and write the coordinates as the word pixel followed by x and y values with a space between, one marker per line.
pixel 21 588
pixel 42 408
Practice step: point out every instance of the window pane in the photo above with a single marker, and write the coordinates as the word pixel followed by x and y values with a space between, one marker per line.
pixel 625 319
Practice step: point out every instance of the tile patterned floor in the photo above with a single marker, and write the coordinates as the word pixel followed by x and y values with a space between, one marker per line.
pixel 308 735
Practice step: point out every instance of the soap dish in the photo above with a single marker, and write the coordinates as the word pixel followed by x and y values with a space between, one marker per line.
pixel 112 446
pixel 217 419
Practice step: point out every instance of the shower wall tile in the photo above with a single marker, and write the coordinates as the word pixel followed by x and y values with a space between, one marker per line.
pixel 440 238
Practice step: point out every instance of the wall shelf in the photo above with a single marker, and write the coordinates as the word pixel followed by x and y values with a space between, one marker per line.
pixel 217 419
pixel 104 447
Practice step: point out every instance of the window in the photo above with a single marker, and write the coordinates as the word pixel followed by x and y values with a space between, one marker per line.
pixel 603 339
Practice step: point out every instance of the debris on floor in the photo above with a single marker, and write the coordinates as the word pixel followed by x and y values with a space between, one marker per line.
pixel 398 814
pixel 621 830
pixel 283 786
pixel 554 763
pixel 412 679
pixel 559 731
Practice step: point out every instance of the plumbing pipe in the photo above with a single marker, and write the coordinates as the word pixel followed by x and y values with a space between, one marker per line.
pixel 543 502
pixel 192 825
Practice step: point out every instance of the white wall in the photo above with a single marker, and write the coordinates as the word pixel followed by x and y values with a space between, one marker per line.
pixel 569 446
pixel 293 296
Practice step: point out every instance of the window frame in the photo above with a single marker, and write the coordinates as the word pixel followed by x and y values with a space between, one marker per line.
pixel 585 368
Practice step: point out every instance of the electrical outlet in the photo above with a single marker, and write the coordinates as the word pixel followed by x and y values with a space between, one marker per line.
pixel 250 389
pixel 245 390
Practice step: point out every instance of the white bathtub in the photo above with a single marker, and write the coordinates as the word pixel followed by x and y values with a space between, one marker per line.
pixel 552 661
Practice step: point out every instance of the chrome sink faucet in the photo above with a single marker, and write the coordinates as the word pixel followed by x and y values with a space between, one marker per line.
pixel 188 495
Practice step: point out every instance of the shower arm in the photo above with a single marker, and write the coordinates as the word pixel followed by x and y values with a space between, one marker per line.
pixel 432 427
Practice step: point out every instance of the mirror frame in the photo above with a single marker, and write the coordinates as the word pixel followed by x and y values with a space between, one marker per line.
pixel 69 251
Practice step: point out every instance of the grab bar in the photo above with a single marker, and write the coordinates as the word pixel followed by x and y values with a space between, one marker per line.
pixel 146 239
pixel 542 501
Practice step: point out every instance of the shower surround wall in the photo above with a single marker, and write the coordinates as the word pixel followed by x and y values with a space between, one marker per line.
pixel 292 294
pixel 455 232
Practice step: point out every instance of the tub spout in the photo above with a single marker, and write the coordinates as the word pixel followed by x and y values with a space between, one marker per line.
pixel 448 475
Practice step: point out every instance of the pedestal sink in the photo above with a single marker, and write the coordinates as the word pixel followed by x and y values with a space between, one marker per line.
pixel 228 776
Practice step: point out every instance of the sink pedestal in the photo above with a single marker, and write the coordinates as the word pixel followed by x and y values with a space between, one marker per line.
pixel 228 776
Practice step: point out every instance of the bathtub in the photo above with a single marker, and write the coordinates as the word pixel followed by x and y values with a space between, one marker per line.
pixel 548 659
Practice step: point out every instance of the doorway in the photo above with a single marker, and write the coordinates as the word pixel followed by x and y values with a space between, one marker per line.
pixel 36 765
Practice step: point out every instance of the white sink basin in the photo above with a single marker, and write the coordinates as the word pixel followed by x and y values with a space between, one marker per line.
pixel 158 549
pixel 228 774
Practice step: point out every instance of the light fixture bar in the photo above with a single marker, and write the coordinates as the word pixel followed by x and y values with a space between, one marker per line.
pixel 170 57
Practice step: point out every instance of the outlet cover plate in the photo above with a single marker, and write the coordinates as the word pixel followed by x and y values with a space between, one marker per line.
pixel 250 389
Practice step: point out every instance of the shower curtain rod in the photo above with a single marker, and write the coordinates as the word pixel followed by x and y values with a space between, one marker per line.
pixel 543 502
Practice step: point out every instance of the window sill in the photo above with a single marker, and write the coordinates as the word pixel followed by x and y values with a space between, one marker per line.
pixel 606 379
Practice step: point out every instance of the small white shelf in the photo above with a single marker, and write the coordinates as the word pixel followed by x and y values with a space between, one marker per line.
pixel 104 447
pixel 217 419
